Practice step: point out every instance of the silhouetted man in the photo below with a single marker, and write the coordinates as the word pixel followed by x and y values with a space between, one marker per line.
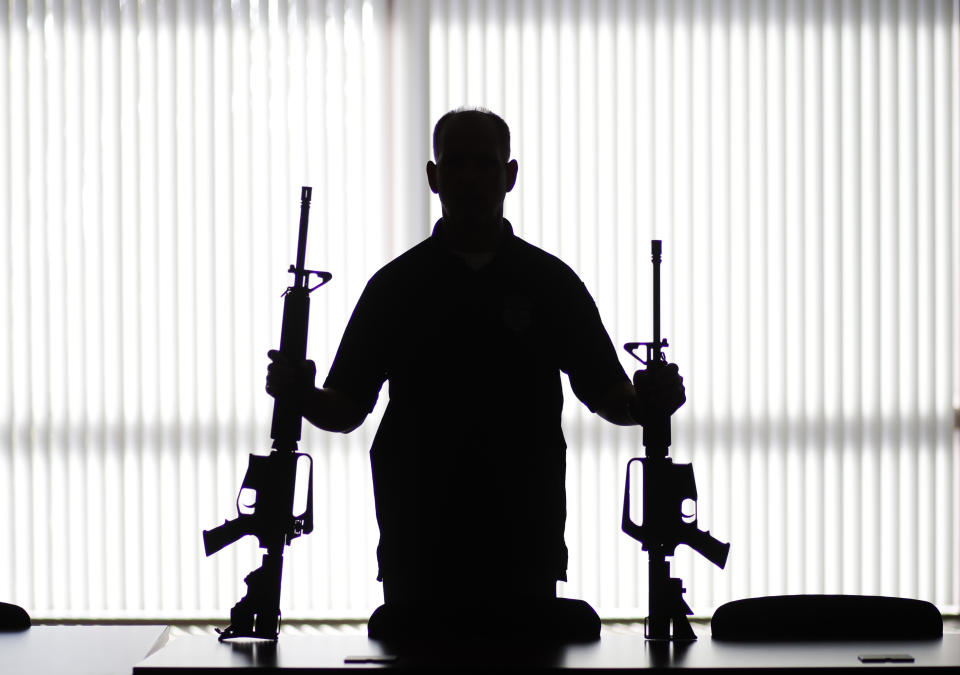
pixel 471 328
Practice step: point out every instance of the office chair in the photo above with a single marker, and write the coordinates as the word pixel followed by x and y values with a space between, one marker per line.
pixel 826 617
pixel 13 617
pixel 549 619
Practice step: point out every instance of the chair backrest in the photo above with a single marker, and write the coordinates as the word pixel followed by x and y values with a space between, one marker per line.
pixel 826 617
pixel 13 617
pixel 557 620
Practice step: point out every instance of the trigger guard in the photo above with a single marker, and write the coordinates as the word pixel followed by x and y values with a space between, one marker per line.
pixel 308 508
pixel 246 509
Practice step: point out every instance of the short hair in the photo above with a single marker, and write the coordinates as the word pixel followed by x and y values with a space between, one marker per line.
pixel 503 131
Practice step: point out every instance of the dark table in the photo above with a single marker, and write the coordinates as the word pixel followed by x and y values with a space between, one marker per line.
pixel 78 650
pixel 147 650
pixel 613 652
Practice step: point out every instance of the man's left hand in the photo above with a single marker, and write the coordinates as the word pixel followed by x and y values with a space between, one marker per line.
pixel 660 391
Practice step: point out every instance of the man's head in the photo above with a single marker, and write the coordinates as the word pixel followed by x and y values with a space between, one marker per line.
pixel 473 115
pixel 473 171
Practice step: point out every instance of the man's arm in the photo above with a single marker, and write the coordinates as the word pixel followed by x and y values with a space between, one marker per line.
pixel 332 410
pixel 659 390
pixel 325 408
pixel 616 406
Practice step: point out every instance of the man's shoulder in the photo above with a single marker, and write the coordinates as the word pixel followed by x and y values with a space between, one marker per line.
pixel 409 263
pixel 543 262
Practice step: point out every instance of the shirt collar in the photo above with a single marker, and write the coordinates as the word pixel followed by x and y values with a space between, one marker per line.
pixel 505 241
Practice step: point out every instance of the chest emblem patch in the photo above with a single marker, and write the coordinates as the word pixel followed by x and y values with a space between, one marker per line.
pixel 518 313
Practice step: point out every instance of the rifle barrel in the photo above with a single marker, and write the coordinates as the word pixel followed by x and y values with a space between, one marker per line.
pixel 656 249
pixel 300 274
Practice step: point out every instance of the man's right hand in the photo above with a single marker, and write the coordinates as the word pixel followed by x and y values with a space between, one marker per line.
pixel 287 379
pixel 324 408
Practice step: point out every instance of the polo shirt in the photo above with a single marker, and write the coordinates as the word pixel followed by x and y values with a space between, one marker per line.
pixel 469 459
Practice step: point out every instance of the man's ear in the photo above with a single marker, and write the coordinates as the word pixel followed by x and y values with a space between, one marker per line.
pixel 512 168
pixel 432 177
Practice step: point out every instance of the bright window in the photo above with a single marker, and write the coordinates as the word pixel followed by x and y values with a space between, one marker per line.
pixel 798 159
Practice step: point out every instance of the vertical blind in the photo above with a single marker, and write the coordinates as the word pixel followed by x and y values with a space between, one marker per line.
pixel 799 160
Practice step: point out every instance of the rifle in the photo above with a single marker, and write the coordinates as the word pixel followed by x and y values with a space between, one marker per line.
pixel 273 477
pixel 665 487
